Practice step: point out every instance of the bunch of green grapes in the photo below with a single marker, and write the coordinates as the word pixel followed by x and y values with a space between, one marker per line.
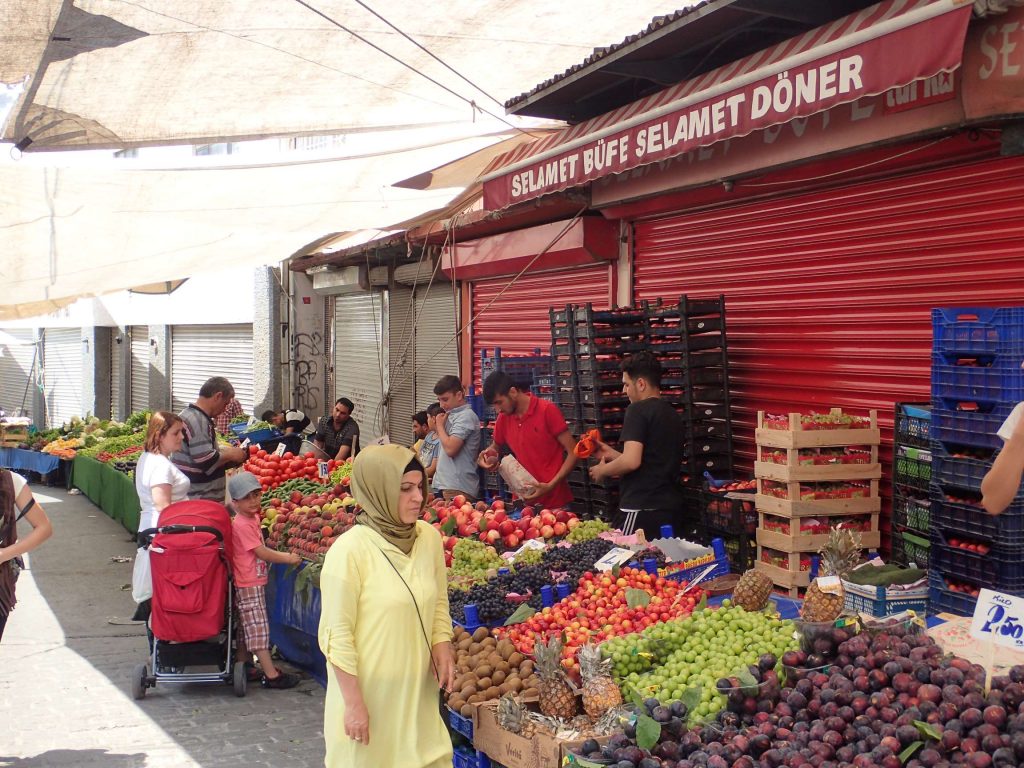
pixel 587 530
pixel 471 560
pixel 528 556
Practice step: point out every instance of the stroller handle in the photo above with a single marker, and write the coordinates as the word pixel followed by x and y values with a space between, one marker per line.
pixel 146 535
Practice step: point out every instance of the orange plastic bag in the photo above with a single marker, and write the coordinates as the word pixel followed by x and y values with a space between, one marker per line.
pixel 587 444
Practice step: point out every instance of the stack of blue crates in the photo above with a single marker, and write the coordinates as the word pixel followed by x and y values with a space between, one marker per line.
pixel 977 379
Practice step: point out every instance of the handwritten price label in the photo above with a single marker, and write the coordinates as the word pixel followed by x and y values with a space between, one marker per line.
pixel 321 469
pixel 281 448
pixel 999 618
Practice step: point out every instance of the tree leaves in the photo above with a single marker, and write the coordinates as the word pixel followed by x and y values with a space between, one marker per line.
pixel 449 526
pixel 928 730
pixel 702 604
pixel 648 731
pixel 637 598
pixel 908 753
pixel 748 683
pixel 634 695
pixel 521 614
pixel 691 697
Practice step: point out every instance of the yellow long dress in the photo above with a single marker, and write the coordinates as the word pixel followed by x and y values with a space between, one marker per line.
pixel 368 628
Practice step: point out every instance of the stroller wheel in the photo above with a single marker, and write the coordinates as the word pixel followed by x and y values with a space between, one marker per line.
pixel 139 681
pixel 241 680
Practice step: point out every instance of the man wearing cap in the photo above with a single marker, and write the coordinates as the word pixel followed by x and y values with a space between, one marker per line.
pixel 250 564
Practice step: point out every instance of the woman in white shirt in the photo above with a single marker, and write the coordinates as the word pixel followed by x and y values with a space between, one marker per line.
pixel 159 484
pixel 17 503
pixel 1001 484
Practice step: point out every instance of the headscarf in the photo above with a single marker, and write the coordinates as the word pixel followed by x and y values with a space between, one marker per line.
pixel 376 483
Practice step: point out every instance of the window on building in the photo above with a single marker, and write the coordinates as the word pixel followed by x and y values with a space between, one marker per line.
pixel 223 148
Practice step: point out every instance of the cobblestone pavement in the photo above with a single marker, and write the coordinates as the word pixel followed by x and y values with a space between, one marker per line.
pixel 64 672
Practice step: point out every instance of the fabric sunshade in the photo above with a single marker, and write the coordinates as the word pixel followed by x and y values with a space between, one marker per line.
pixel 867 53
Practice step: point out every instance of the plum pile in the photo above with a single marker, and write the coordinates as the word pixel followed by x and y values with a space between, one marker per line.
pixel 886 701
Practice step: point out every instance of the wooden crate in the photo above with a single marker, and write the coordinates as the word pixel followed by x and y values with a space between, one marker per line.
pixel 783 577
pixel 794 471
pixel 797 437
pixel 811 542
pixel 12 436
pixel 795 507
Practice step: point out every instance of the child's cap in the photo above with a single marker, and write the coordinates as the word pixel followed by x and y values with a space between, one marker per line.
pixel 241 484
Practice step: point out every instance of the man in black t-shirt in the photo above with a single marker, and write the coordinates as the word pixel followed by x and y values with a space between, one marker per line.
pixel 652 450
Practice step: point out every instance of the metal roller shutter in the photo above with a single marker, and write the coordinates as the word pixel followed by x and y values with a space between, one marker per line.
pixel 518 321
pixel 16 364
pixel 62 375
pixel 401 364
pixel 116 373
pixel 437 348
pixel 201 351
pixel 829 293
pixel 360 360
pixel 139 375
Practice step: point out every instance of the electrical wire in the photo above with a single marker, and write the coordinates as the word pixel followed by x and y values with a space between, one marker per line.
pixel 411 68
pixel 429 53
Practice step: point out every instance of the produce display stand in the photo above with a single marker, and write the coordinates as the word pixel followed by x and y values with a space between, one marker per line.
pixel 294 622
pixel 791 471
pixel 32 461
pixel 110 490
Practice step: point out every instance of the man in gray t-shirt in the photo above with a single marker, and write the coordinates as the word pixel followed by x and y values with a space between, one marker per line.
pixel 458 429
pixel 201 458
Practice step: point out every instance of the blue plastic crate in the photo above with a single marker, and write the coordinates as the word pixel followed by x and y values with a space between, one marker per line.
pixel 958 472
pixel 1001 569
pixel 972 520
pixel 464 757
pixel 721 565
pixel 460 724
pixel 978 330
pixel 879 603
pixel 912 424
pixel 943 600
pixel 1000 382
pixel 976 428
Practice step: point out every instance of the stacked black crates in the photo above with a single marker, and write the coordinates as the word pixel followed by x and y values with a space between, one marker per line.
pixel 976 381
pixel 689 338
pixel 911 479
pixel 529 372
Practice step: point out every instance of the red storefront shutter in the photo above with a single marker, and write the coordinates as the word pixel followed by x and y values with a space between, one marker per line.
pixel 517 321
pixel 828 294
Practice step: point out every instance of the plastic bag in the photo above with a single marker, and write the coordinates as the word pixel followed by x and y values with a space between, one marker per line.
pixel 514 474
pixel 142 577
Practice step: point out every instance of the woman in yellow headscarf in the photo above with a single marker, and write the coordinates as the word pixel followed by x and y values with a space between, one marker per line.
pixel 384 625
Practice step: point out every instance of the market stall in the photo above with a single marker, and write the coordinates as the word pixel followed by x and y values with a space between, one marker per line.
pixel 109 489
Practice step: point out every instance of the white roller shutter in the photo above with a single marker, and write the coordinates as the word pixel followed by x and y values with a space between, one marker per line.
pixel 62 375
pixel 116 373
pixel 139 378
pixel 402 403
pixel 437 351
pixel 16 361
pixel 199 352
pixel 360 360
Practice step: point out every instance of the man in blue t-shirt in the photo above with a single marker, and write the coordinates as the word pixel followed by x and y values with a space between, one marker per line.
pixel 430 447
pixel 458 430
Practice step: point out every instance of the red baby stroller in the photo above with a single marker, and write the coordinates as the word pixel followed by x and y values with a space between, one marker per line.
pixel 191 619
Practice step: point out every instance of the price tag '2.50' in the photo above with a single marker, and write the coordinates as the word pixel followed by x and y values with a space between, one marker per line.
pixel 999 618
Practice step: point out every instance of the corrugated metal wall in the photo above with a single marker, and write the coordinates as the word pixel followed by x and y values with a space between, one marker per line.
pixel 138 385
pixel 401 364
pixel 199 352
pixel 62 375
pixel 16 365
pixel 361 360
pixel 518 322
pixel 829 293
pixel 116 373
pixel 437 352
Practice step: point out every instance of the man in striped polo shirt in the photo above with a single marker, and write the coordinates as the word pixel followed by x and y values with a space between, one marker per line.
pixel 201 460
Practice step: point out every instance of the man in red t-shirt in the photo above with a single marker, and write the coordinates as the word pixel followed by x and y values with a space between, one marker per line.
pixel 535 432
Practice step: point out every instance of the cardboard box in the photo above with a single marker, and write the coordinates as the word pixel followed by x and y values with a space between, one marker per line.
pixel 512 750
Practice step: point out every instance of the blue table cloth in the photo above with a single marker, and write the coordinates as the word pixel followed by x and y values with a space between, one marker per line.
pixel 33 461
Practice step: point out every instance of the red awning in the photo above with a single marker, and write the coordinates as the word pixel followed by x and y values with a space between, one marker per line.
pixel 888 45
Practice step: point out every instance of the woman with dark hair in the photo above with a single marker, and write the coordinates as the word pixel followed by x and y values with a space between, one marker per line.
pixel 16 503
pixel 159 484
pixel 384 624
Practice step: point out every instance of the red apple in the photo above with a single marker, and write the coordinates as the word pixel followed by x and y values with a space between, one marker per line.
pixel 492 536
pixel 511 541
pixel 562 515
pixel 506 527
pixel 573 522
pixel 499 515
pixel 527 511
pixel 559 529
pixel 458 500
pixel 498 504
pixel 531 533
pixel 547 531
pixel 547 517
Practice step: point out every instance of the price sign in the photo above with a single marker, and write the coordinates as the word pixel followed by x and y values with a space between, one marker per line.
pixel 615 556
pixel 999 618
pixel 530 544
pixel 321 469
pixel 251 421
pixel 245 443
pixel 280 449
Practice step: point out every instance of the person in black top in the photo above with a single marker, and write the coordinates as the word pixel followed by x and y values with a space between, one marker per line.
pixel 338 434
pixel 652 451
pixel 291 421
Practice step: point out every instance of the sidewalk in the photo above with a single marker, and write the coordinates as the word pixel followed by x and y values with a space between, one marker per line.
pixel 64 673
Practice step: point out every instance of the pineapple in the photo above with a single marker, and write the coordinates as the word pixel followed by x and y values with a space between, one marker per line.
pixel 556 695
pixel 752 591
pixel 838 557
pixel 512 716
pixel 600 693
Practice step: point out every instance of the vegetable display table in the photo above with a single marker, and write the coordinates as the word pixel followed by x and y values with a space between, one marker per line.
pixel 33 461
pixel 110 490
pixel 294 621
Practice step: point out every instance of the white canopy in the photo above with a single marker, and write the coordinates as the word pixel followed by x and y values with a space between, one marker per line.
pixel 115 74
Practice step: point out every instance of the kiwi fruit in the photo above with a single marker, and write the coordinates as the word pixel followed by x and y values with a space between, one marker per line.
pixel 484 670
pixel 515 659
pixel 531 692
pixel 466 710
pixel 456 703
pixel 468 690
pixel 498 677
pixel 474 648
pixel 493 692
pixel 481 634
pixel 483 683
